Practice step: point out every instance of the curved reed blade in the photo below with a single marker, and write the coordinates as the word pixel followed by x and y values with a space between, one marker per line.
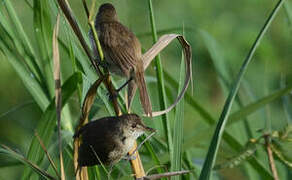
pixel 162 42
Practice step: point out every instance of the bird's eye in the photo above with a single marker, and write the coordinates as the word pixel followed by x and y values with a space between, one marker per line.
pixel 134 125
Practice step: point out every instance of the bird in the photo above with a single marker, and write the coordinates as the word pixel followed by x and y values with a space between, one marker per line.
pixel 107 140
pixel 122 52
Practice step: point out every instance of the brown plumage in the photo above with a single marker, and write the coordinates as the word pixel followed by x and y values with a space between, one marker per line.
pixel 109 139
pixel 122 51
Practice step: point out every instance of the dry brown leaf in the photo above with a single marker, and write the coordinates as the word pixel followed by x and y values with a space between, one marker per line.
pixel 56 58
pixel 86 107
pixel 47 153
pixel 89 98
pixel 162 42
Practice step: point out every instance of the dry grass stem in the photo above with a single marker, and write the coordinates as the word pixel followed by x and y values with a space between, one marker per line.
pixel 56 58
pixel 47 154
pixel 271 157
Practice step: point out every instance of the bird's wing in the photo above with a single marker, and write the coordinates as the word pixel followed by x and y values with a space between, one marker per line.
pixel 121 45
pixel 96 136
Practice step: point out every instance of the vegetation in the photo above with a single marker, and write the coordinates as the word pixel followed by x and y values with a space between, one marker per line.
pixel 233 121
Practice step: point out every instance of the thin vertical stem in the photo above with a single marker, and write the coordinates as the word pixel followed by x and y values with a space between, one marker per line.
pixel 271 157
pixel 47 154
pixel 58 96
pixel 160 80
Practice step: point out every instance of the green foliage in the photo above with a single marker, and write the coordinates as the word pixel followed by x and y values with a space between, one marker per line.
pixel 248 150
pixel 47 123
pixel 220 38
pixel 176 159
pixel 9 152
pixel 160 82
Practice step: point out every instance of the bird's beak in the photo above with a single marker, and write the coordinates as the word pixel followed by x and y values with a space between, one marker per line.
pixel 149 129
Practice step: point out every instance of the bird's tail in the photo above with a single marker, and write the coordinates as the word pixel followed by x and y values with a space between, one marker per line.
pixel 144 97
pixel 132 87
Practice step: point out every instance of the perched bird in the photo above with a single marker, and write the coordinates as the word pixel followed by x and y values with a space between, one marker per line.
pixel 122 52
pixel 109 139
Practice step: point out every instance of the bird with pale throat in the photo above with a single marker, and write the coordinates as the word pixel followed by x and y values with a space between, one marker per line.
pixel 109 139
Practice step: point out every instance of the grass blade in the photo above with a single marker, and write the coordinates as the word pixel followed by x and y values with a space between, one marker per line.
pixel 153 155
pixel 212 152
pixel 176 159
pixel 23 39
pixel 207 117
pixel 224 73
pixel 249 109
pixel 19 27
pixel 47 124
pixel 28 79
pixel 44 33
pixel 6 150
pixel 160 80
pixel 47 154
pixel 245 111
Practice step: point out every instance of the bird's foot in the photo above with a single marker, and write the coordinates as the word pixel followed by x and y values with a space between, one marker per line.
pixel 112 95
pixel 102 64
pixel 129 157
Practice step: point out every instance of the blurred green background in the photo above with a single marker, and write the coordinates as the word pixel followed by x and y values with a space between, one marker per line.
pixel 228 26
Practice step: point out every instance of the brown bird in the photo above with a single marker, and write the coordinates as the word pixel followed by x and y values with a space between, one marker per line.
pixel 109 139
pixel 122 51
